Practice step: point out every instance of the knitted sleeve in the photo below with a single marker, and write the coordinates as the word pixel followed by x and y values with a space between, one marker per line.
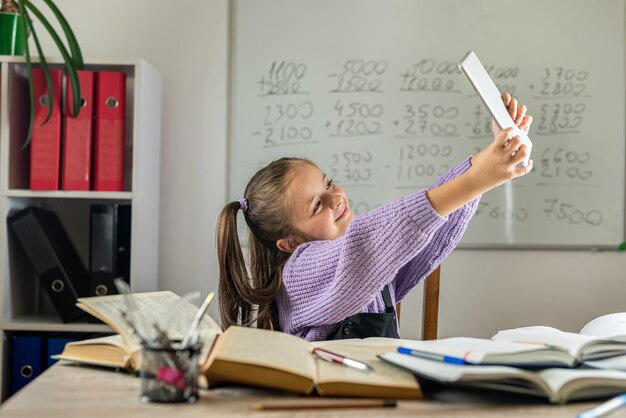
pixel 326 281
pixel 398 244
pixel 444 240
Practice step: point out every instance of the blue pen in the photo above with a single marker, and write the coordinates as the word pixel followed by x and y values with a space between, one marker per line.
pixel 431 356
pixel 604 408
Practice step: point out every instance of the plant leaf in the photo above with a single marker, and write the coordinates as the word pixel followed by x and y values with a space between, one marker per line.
pixel 29 67
pixel 69 63
pixel 46 73
pixel 72 42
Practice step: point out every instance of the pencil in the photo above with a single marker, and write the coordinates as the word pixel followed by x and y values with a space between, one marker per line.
pixel 323 404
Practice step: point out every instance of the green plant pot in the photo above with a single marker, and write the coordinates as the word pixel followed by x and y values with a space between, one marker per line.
pixel 11 39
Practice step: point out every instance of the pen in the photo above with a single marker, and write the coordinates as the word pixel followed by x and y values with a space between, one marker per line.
pixel 605 407
pixel 431 356
pixel 196 320
pixel 533 343
pixel 324 404
pixel 336 358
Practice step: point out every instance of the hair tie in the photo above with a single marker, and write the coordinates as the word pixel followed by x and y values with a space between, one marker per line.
pixel 243 204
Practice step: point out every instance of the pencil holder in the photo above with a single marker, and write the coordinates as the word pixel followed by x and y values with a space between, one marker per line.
pixel 169 374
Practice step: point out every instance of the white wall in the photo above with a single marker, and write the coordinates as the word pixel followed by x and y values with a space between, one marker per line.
pixel 187 41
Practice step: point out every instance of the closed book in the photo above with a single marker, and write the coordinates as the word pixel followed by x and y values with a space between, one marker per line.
pixel 26 362
pixel 50 251
pixel 109 249
pixel 45 147
pixel 77 135
pixel 109 131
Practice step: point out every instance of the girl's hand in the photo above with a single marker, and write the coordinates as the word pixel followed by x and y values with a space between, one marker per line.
pixel 498 162
pixel 517 112
pixel 495 164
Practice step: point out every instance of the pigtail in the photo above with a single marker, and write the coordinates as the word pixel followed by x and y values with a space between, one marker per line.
pixel 243 299
pixel 249 297
pixel 266 265
pixel 234 285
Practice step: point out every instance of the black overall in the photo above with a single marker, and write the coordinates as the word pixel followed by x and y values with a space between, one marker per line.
pixel 364 325
pixel 361 325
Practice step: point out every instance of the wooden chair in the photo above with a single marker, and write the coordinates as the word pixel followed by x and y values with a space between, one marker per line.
pixel 430 311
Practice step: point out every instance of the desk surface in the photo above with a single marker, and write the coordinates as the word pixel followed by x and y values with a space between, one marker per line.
pixel 67 390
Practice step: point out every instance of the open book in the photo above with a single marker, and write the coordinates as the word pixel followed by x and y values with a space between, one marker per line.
pixel 277 360
pixel 580 347
pixel 531 347
pixel 558 385
pixel 467 350
pixel 109 351
pixel 165 308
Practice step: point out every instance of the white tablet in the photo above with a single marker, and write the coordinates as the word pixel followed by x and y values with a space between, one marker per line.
pixel 491 97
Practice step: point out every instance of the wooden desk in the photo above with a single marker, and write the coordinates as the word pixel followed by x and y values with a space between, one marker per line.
pixel 67 390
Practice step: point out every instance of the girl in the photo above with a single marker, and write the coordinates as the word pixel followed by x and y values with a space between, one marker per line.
pixel 319 272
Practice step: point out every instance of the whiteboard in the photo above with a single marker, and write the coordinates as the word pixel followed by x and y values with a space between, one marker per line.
pixel 371 91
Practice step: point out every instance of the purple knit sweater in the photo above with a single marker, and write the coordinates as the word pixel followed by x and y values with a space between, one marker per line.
pixel 397 244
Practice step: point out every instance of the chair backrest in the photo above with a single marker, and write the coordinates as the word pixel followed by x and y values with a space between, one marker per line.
pixel 430 312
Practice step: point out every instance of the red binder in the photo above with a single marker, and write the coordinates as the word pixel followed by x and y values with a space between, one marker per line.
pixel 76 161
pixel 45 147
pixel 109 132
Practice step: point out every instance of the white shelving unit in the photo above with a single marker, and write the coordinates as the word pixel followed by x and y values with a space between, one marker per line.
pixel 24 306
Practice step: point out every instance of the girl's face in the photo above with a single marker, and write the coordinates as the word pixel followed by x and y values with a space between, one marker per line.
pixel 319 208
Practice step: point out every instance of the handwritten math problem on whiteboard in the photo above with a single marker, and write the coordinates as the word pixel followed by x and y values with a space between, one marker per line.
pixel 386 121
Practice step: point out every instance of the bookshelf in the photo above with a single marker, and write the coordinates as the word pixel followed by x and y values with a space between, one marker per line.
pixel 24 305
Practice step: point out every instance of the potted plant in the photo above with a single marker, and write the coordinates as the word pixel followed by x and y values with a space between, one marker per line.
pixel 22 10
pixel 11 39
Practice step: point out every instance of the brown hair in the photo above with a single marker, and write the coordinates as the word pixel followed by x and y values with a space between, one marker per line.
pixel 266 213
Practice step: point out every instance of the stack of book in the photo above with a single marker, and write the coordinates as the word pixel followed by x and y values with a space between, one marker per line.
pixel 540 361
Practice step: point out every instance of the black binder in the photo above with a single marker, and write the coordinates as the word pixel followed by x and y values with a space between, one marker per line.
pixel 109 249
pixel 56 262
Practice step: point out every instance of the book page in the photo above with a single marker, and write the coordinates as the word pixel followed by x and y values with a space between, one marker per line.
pixel 611 363
pixel 607 326
pixel 114 340
pixel 492 377
pixel 370 341
pixel 151 306
pixel 480 350
pixel 383 374
pixel 165 309
pixel 261 347
pixel 583 383
pixel 452 373
pixel 557 384
pixel 569 341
